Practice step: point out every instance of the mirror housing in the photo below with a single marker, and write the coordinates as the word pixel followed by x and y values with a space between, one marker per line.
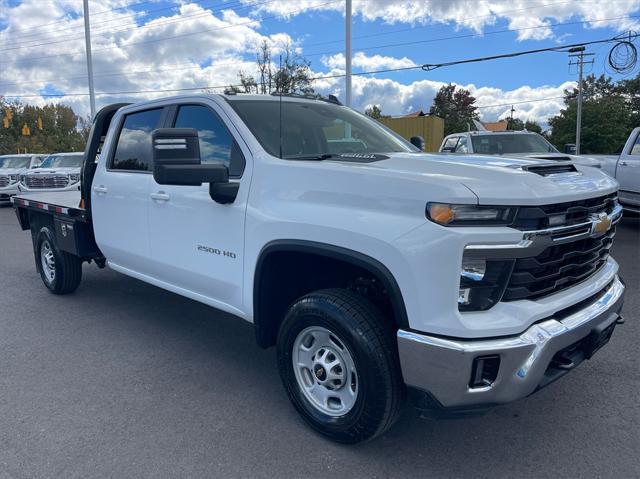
pixel 418 142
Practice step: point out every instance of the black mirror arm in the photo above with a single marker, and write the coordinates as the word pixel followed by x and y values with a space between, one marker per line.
pixel 224 193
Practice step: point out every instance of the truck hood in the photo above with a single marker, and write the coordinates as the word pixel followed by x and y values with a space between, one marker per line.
pixel 53 171
pixel 502 180
pixel 11 171
pixel 580 160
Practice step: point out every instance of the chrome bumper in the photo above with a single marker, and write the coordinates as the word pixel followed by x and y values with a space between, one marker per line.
pixel 442 367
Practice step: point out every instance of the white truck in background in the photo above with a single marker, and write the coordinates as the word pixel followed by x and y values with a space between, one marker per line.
pixel 517 144
pixel 626 169
pixel 58 172
pixel 461 282
pixel 11 167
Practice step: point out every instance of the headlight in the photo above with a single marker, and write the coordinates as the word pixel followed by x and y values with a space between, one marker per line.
pixel 482 283
pixel 74 178
pixel 13 178
pixel 469 215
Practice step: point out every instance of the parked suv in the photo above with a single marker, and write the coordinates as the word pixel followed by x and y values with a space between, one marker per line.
pixel 11 166
pixel 58 172
pixel 516 144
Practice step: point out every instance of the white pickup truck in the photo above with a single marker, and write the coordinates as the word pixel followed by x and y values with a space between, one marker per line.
pixel 11 167
pixel 517 144
pixel 626 169
pixel 459 283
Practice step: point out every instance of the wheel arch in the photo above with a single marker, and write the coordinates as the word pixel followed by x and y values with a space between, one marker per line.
pixel 267 317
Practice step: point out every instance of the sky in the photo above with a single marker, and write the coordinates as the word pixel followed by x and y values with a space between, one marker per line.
pixel 142 47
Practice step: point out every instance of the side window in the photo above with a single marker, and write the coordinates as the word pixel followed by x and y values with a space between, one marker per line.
pixel 635 149
pixel 462 145
pixel 450 144
pixel 216 143
pixel 134 149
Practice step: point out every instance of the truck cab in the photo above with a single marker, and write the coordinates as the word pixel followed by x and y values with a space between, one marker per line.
pixel 626 169
pixel 460 283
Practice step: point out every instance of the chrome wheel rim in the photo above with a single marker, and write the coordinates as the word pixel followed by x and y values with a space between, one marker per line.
pixel 325 371
pixel 48 261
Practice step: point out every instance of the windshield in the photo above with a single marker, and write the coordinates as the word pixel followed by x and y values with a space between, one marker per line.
pixel 15 161
pixel 315 129
pixel 516 143
pixel 66 161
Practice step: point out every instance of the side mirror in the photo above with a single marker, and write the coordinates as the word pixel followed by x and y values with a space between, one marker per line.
pixel 176 159
pixel 418 142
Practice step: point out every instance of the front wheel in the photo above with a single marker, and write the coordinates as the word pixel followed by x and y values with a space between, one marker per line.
pixel 61 272
pixel 339 365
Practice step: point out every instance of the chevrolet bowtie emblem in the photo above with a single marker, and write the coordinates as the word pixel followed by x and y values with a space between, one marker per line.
pixel 600 224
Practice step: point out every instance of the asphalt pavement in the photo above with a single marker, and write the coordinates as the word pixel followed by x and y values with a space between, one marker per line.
pixel 125 380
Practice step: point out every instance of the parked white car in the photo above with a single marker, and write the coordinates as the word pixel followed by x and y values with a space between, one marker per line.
pixel 11 166
pixel 58 172
pixel 517 144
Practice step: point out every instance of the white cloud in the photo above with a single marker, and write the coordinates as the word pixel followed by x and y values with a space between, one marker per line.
pixel 367 63
pixel 475 14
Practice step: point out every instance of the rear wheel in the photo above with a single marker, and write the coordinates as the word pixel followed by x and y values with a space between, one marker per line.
pixel 338 362
pixel 61 272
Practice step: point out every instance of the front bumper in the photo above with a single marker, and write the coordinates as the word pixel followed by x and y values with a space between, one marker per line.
pixel 442 367
pixel 7 192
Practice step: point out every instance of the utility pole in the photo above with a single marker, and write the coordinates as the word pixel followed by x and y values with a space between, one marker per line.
pixel 87 38
pixel 347 52
pixel 579 54
pixel 510 125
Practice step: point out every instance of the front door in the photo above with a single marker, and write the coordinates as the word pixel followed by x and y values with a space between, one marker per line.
pixel 628 174
pixel 197 245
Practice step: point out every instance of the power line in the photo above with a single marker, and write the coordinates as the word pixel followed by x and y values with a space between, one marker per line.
pixel 146 42
pixel 425 67
pixel 109 30
pixel 191 66
pixel 92 15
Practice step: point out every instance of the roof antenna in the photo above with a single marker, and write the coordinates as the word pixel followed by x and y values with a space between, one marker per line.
pixel 280 91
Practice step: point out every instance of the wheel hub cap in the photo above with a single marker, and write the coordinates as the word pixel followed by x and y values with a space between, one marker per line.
pixel 325 371
pixel 48 261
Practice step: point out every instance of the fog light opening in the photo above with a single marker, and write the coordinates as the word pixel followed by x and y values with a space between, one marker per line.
pixel 484 371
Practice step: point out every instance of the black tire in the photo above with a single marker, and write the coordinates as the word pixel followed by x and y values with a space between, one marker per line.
pixel 67 268
pixel 370 340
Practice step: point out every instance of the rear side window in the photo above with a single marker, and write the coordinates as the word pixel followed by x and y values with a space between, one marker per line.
pixel 450 143
pixel 635 150
pixel 134 149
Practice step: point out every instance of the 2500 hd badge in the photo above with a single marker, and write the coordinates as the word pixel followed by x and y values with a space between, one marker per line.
pixel 219 252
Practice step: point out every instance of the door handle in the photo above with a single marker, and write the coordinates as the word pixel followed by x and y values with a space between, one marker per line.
pixel 160 196
pixel 623 163
pixel 100 189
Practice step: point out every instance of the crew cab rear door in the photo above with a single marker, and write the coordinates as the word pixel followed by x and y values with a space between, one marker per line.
pixel 197 244
pixel 120 190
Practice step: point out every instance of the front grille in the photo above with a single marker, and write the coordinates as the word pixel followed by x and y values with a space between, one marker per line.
pixel 46 181
pixel 563 214
pixel 558 267
pixel 4 181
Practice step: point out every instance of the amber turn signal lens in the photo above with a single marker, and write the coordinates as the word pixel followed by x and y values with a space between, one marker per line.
pixel 440 213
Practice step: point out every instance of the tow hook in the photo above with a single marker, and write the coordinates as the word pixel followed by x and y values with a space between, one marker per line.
pixel 620 320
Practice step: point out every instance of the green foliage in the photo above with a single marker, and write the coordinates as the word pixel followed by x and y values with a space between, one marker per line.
pixel 518 125
pixel 62 129
pixel 609 113
pixel 375 112
pixel 456 107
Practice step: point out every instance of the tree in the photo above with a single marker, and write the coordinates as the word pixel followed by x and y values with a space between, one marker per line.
pixel 52 128
pixel 456 107
pixel 607 117
pixel 517 124
pixel 291 75
pixel 375 112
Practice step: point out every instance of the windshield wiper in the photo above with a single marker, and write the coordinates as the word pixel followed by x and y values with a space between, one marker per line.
pixel 324 156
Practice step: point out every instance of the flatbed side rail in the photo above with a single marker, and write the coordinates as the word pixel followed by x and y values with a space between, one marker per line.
pixel 75 213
